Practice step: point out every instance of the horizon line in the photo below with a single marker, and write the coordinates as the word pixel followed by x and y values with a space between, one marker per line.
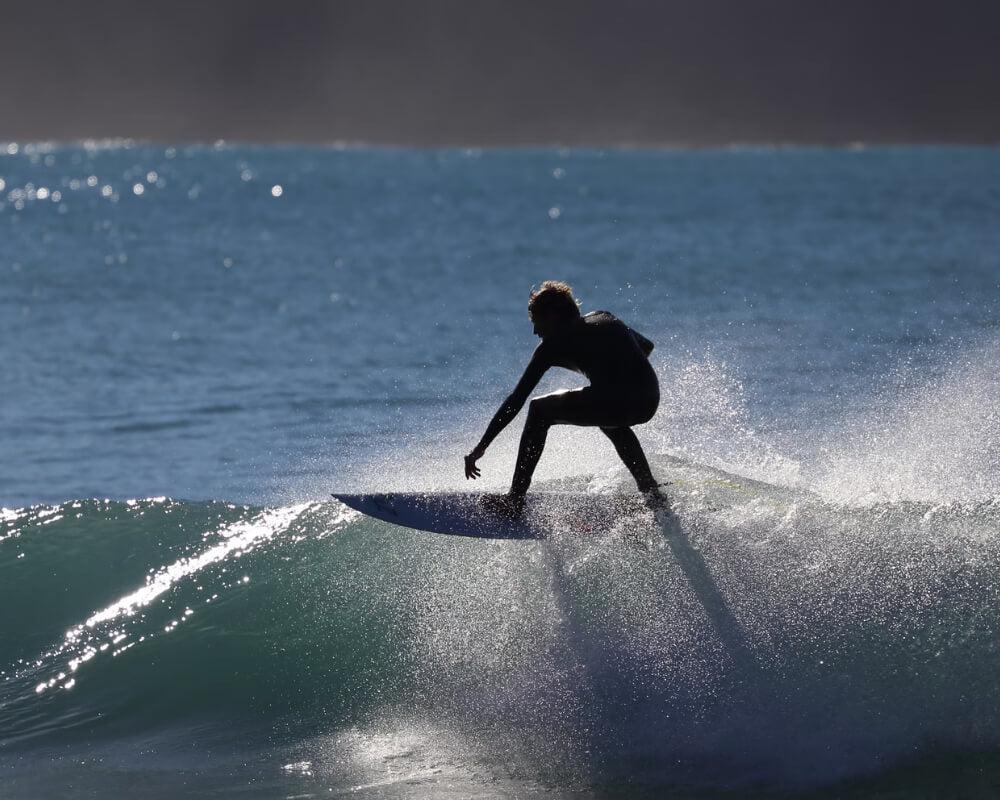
pixel 378 144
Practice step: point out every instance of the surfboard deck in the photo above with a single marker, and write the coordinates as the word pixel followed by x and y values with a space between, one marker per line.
pixel 545 514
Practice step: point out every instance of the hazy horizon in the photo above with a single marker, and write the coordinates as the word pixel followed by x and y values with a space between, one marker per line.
pixel 684 73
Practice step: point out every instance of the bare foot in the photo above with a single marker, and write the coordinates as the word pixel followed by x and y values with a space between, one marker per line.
pixel 508 506
pixel 656 501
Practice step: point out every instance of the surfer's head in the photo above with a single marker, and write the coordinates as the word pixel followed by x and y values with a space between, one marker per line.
pixel 552 306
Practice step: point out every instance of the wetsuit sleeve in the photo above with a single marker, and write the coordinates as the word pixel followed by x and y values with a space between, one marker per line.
pixel 644 344
pixel 529 380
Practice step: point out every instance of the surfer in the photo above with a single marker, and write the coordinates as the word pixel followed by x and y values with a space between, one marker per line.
pixel 623 391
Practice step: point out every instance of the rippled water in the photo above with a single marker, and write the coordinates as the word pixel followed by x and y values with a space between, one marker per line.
pixel 214 338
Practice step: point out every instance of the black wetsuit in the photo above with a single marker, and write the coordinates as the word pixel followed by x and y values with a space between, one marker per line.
pixel 623 392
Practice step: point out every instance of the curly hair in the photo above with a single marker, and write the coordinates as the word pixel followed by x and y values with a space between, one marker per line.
pixel 555 297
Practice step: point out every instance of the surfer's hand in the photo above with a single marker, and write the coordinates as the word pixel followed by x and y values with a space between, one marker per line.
pixel 471 470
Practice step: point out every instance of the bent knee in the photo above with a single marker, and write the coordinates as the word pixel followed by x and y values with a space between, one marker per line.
pixel 646 415
pixel 547 408
pixel 537 411
pixel 645 408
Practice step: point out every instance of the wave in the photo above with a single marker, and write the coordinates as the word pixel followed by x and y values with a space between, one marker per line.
pixel 773 638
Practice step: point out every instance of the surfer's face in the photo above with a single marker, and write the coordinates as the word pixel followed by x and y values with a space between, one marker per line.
pixel 544 324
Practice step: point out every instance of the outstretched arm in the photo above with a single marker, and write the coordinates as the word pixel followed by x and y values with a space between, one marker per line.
pixel 510 408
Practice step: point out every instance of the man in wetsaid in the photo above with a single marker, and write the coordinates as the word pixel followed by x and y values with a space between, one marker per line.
pixel 623 391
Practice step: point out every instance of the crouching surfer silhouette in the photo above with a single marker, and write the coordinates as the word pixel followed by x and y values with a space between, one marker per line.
pixel 623 392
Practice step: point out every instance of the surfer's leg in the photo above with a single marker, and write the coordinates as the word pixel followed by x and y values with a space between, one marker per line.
pixel 630 451
pixel 573 407
pixel 529 451
pixel 588 408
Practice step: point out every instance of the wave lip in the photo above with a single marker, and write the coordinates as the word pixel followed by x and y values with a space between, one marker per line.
pixel 175 562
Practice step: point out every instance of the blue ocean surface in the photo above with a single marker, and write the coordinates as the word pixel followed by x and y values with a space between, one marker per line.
pixel 199 343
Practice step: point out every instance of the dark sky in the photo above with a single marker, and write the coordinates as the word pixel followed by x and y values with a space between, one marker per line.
pixel 502 71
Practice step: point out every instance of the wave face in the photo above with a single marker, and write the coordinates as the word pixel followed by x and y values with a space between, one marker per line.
pixel 774 640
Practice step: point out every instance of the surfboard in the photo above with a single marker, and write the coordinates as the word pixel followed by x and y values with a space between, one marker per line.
pixel 545 514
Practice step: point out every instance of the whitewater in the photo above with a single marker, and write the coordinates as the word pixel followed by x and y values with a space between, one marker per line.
pixel 200 343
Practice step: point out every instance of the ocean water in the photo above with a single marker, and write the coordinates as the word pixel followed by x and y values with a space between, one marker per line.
pixel 199 344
